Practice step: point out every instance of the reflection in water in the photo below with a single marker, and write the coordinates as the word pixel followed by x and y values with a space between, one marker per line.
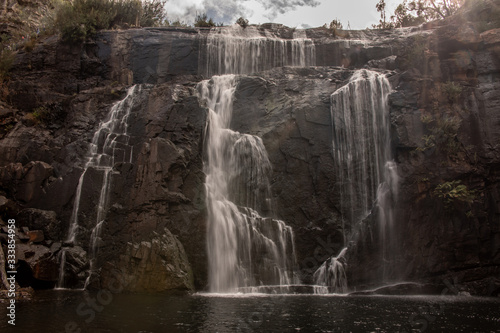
pixel 51 311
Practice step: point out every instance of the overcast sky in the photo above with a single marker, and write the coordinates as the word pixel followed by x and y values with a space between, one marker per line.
pixel 359 14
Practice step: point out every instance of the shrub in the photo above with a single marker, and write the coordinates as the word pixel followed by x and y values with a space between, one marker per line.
pixel 444 132
pixel 40 114
pixel 6 61
pixel 201 21
pixel 336 25
pixel 153 13
pixel 242 22
pixel 29 45
pixel 452 91
pixel 178 23
pixel 454 192
pixel 81 19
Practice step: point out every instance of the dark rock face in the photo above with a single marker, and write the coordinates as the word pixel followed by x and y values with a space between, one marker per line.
pixel 162 189
pixel 159 264
pixel 155 228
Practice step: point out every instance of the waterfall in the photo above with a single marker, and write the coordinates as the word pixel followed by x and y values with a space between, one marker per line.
pixel 361 140
pixel 244 248
pixel 110 145
pixel 331 275
pixel 234 50
pixel 365 172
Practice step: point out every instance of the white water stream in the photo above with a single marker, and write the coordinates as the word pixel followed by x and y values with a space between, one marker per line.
pixel 110 145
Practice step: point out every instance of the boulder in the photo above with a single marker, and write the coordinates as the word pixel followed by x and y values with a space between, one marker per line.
pixel 38 219
pixel 36 236
pixel 26 182
pixel 41 262
pixel 160 264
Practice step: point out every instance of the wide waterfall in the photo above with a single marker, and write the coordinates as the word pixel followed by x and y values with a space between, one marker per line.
pixel 366 174
pixel 244 248
pixel 110 145
pixel 235 50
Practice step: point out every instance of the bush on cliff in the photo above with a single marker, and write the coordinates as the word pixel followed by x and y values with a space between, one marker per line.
pixel 81 19
pixel 6 61
pixel 203 21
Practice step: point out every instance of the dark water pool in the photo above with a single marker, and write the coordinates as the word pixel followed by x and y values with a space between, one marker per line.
pixel 61 311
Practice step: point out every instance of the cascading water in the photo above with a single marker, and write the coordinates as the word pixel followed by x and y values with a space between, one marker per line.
pixel 331 275
pixel 366 174
pixel 110 145
pixel 244 248
pixel 234 50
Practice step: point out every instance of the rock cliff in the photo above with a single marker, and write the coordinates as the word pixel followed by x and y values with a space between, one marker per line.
pixel 444 111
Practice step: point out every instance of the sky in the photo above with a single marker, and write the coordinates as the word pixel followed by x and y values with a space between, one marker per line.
pixel 354 14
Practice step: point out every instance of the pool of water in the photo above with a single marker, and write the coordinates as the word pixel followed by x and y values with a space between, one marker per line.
pixel 71 311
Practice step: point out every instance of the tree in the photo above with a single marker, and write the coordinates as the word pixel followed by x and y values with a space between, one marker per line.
pixel 403 18
pixel 415 12
pixel 242 22
pixel 442 8
pixel 383 24
pixel 153 13
pixel 201 21
pixel 336 24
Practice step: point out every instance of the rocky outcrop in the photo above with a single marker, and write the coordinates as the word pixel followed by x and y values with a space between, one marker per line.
pixel 156 265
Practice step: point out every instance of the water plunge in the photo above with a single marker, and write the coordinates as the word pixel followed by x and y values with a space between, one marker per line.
pixel 331 277
pixel 244 248
pixel 366 174
pixel 110 145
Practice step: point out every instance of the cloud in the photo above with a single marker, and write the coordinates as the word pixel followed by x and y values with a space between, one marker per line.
pixel 227 11
pixel 276 7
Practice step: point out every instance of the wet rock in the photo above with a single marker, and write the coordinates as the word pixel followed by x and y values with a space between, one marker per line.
pixel 3 201
pixel 25 181
pixel 42 264
pixel 491 37
pixel 36 236
pixel 76 267
pixel 37 219
pixel 23 236
pixel 386 63
pixel 157 265
pixel 56 246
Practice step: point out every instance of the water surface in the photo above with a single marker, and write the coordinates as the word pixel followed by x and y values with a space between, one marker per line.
pixel 52 311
